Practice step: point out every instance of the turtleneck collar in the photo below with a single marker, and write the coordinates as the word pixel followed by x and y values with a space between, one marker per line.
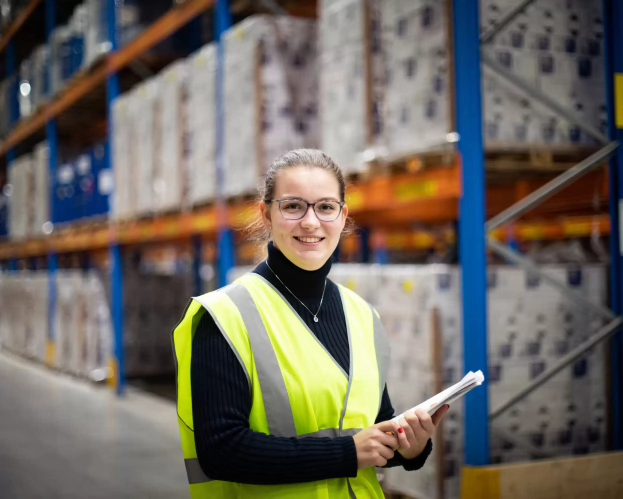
pixel 305 284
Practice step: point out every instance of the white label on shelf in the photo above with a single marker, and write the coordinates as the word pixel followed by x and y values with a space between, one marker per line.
pixel 83 165
pixel 66 174
pixel 105 182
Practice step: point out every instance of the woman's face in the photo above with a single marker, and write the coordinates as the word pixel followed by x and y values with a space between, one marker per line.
pixel 308 242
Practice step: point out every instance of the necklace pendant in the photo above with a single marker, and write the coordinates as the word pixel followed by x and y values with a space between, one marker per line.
pixel 315 319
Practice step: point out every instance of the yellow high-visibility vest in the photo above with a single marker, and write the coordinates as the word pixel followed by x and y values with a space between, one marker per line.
pixel 298 389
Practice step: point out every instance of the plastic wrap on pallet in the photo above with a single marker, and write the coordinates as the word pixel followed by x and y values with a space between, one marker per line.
pixel 531 326
pixel 558 48
pixel 123 157
pixel 22 197
pixel 169 178
pixel 201 114
pixel 24 313
pixel 148 148
pixel 271 95
pixel 344 82
pixel 99 337
pixel 417 95
pixel 41 189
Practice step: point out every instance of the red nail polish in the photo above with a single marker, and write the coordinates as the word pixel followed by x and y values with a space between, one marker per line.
pixel 400 430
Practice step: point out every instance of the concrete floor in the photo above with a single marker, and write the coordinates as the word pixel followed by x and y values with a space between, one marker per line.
pixel 63 438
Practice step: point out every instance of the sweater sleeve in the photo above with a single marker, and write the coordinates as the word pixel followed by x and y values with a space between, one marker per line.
pixel 227 448
pixel 386 412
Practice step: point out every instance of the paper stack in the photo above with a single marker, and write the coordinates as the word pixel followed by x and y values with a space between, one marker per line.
pixel 470 381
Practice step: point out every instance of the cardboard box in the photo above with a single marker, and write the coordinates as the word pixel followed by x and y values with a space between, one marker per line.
pixel 170 166
pixel 148 148
pixel 201 112
pixel 271 96
pixel 41 189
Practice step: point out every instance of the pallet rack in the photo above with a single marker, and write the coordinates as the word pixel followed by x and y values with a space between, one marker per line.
pixel 456 192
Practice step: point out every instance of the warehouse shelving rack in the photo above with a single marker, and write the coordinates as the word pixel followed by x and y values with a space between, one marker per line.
pixel 456 192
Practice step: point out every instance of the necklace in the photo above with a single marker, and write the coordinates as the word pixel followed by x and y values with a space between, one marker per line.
pixel 321 299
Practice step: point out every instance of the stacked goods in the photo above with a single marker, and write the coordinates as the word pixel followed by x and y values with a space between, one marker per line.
pixel 271 89
pixel 556 47
pixel 24 314
pixel 147 149
pixel 202 125
pixel 531 326
pixel 40 189
pixel 22 198
pixel 170 169
pixel 123 159
pixel 385 90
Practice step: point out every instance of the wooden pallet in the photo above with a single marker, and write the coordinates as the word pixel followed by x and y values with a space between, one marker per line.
pixel 533 159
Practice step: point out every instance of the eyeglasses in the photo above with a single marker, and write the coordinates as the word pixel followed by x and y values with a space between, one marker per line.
pixel 295 209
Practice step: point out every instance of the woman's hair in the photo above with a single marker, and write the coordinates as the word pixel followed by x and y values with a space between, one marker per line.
pixel 312 158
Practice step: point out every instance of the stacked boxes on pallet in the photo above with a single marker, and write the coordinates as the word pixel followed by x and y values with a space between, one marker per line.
pixel 202 125
pixel 164 144
pixel 24 314
pixel 556 47
pixel 531 326
pixel 271 88
pixel 170 182
pixel 22 199
pixel 385 87
pixel 82 322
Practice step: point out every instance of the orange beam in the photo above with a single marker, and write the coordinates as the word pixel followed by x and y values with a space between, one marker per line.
pixel 18 23
pixel 83 84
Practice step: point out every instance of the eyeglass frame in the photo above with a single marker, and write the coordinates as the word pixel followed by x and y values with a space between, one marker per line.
pixel 341 203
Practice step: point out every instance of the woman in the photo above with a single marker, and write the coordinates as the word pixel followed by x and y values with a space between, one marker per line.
pixel 281 389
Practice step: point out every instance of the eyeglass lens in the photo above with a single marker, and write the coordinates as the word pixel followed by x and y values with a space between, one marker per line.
pixel 294 209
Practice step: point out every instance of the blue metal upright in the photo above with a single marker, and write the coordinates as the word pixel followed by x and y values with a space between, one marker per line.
pixel 613 16
pixel 226 251
pixel 52 138
pixel 116 255
pixel 472 248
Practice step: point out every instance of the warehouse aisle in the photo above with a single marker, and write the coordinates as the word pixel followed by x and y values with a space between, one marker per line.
pixel 62 438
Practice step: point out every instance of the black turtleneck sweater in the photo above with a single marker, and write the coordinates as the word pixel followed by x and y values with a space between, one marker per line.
pixel 226 447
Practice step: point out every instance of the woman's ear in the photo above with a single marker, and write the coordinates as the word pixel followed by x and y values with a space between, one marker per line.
pixel 266 216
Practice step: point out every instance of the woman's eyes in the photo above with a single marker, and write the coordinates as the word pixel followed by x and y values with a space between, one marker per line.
pixel 292 206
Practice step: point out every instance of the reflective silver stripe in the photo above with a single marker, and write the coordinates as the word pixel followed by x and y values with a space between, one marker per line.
pixel 194 472
pixel 381 345
pixel 276 400
pixel 350 367
pixel 333 433
pixel 302 321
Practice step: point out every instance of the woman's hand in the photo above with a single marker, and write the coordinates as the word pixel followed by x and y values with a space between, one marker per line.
pixel 376 445
pixel 418 428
